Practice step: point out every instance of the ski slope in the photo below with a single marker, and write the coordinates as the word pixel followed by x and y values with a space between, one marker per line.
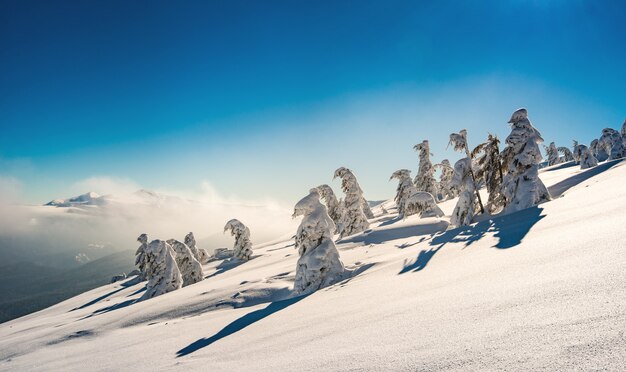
pixel 544 288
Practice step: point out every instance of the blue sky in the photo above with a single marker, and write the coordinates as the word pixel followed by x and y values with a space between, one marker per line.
pixel 264 99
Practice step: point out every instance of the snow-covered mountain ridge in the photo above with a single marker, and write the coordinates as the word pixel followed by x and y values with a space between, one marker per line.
pixel 542 288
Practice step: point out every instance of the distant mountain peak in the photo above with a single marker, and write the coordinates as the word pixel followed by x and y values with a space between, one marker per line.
pixel 89 198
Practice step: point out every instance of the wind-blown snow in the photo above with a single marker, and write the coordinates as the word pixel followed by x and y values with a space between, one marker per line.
pixel 542 288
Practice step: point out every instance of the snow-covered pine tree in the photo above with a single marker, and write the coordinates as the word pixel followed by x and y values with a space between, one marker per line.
pixel 553 154
pixel 366 208
pixel 574 147
pixel 319 264
pixel 335 209
pixel 243 246
pixel 623 133
pixel 164 274
pixel 141 258
pixel 613 144
pixel 424 203
pixel 567 154
pixel 465 208
pixel 404 190
pixel 597 150
pixel 445 191
pixel 410 201
pixel 188 265
pixel 489 166
pixel 425 178
pixel 200 254
pixel 521 186
pixel 587 160
pixel 354 219
pixel 459 143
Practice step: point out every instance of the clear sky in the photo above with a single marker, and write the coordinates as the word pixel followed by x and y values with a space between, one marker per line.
pixel 264 99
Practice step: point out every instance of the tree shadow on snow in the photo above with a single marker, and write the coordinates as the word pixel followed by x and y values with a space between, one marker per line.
pixel 381 236
pixel 228 264
pixel 560 188
pixel 123 285
pixel 510 229
pixel 107 309
pixel 239 324
pixel 420 262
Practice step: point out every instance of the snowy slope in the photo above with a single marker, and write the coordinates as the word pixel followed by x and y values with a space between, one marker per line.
pixel 544 288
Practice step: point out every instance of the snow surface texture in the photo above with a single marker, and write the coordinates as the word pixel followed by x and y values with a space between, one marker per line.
pixel 164 275
pixel 319 263
pixel 243 246
pixel 354 219
pixel 541 289
pixel 190 269
pixel 521 186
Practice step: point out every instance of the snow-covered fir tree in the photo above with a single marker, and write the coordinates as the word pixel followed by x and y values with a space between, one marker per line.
pixel 521 186
pixel 164 275
pixel 445 191
pixel 404 190
pixel 366 208
pixel 553 154
pixel 335 208
pixel 598 151
pixel 200 254
pixel 465 208
pixel 623 133
pixel 587 160
pixel 141 258
pixel 188 265
pixel 611 141
pixel 424 203
pixel 243 246
pixel 567 154
pixel 459 143
pixel 489 169
pixel 574 151
pixel 354 219
pixel 319 264
pixel 425 178
pixel 410 201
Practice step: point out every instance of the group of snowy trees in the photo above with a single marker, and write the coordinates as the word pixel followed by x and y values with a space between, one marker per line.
pixel 170 265
pixel 610 146
pixel 510 178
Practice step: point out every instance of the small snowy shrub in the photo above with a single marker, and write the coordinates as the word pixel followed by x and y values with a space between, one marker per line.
pixel 200 254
